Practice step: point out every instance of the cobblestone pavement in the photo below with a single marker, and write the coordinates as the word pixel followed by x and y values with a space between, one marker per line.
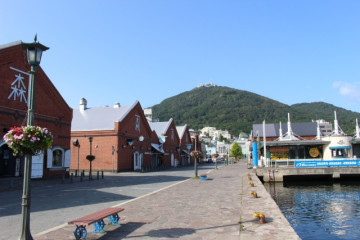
pixel 220 207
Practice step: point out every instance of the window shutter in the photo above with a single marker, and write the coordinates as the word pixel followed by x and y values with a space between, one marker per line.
pixel 67 158
pixel 49 158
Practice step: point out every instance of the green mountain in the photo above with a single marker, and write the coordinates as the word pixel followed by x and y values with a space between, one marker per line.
pixel 236 110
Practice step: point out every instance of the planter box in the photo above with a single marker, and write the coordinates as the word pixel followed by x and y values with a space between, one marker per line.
pixel 203 177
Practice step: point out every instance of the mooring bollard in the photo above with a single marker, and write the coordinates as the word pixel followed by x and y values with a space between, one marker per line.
pixel 97 175
pixel 102 174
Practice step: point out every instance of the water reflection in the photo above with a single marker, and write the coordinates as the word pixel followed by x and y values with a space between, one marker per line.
pixel 320 210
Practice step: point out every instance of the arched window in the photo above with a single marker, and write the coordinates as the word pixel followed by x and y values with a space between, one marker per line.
pixel 55 157
pixel 57 160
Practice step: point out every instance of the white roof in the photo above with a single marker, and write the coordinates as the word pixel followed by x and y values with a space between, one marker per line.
pixel 2 46
pixel 160 127
pixel 181 130
pixel 99 118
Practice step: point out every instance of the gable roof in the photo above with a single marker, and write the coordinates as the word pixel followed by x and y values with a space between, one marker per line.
pixel 99 118
pixel 181 130
pixel 160 127
pixel 272 129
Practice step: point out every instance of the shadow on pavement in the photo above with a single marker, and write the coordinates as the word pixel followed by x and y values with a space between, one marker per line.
pixel 53 195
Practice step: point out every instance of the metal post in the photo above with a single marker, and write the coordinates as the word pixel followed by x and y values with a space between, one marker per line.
pixel 26 197
pixel 90 173
pixel 78 159
pixel 195 162
pixel 113 161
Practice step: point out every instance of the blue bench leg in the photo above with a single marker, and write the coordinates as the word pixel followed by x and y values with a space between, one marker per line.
pixel 99 227
pixel 114 220
pixel 80 232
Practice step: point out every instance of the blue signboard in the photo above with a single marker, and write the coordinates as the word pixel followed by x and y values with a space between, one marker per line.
pixel 331 163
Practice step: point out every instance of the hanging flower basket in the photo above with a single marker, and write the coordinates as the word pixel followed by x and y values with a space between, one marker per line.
pixel 196 154
pixel 28 140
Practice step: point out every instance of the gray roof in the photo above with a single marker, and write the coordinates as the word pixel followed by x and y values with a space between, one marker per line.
pixel 296 143
pixel 99 118
pixel 3 46
pixel 181 130
pixel 272 129
pixel 160 127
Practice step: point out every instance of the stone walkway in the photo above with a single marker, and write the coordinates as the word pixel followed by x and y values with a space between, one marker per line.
pixel 220 207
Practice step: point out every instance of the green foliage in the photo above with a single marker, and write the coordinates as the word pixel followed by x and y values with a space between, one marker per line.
pixel 221 138
pixel 236 151
pixel 236 110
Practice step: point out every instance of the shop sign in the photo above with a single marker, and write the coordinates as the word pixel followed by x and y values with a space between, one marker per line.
pixel 333 163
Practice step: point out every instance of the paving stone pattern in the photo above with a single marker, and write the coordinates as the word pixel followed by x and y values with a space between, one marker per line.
pixel 220 207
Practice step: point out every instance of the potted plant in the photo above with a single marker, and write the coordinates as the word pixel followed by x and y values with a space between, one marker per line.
pixel 203 176
pixel 28 139
pixel 196 154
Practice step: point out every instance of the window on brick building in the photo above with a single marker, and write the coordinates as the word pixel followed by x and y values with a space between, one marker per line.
pixel 57 157
pixel 137 123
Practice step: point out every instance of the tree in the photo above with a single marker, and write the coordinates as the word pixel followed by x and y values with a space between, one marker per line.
pixel 221 138
pixel 236 151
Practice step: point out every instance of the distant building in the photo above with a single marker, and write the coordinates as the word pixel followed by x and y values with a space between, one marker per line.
pixel 207 85
pixel 214 133
pixel 224 134
pixel 244 143
pixel 148 114
pixel 208 131
pixel 222 148
pixel 325 127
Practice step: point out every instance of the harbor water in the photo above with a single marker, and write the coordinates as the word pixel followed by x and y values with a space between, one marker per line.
pixel 320 210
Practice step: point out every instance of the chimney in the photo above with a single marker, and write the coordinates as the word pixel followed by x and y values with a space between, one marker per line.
pixel 117 105
pixel 83 105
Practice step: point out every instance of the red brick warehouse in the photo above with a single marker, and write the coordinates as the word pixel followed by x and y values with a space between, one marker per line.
pixel 50 111
pixel 121 138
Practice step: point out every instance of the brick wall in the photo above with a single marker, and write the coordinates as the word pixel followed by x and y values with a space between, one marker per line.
pixel 50 109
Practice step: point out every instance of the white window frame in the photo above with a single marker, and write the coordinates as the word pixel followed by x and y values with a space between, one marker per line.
pixel 50 153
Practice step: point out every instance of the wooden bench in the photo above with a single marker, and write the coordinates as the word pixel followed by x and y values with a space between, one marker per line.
pixel 97 219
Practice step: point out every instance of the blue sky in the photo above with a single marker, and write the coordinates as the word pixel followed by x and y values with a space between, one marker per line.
pixel 122 51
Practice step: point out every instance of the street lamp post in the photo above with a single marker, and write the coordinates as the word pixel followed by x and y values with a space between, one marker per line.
pixel 90 158
pixel 195 162
pixel 34 52
pixel 188 147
